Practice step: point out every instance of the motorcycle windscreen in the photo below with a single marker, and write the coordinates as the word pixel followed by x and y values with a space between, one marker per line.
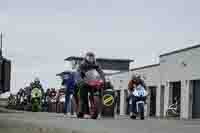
pixel 92 75
pixel 36 92
pixel 62 98
pixel 142 93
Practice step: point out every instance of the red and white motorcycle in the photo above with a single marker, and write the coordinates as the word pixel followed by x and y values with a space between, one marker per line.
pixel 95 84
pixel 52 104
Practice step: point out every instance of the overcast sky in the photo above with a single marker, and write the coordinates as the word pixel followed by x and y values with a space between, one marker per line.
pixel 39 34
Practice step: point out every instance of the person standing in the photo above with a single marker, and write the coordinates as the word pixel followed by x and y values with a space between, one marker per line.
pixel 69 83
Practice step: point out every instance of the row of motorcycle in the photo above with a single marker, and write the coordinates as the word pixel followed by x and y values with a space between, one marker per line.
pixel 36 100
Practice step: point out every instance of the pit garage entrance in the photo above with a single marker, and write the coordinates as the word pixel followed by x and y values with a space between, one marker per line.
pixel 196 99
pixel 152 91
pixel 175 95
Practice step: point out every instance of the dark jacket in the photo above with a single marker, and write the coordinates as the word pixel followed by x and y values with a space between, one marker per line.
pixel 69 83
pixel 39 86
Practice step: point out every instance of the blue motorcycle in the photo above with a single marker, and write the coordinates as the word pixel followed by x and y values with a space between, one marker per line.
pixel 137 101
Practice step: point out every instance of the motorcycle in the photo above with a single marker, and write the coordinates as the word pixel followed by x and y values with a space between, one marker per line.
pixel 140 96
pixel 11 102
pixel 27 99
pixel 36 96
pixel 61 101
pixel 20 100
pixel 45 104
pixel 27 103
pixel 174 109
pixel 52 101
pixel 94 83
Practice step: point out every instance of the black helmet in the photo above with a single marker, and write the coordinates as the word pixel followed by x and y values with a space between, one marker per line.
pixel 90 57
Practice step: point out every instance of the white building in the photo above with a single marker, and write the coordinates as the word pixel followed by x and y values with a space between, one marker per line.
pixel 177 75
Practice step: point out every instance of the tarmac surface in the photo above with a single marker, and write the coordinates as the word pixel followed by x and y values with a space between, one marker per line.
pixel 28 122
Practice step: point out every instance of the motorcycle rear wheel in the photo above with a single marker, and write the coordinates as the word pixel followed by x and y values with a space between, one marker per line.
pixel 95 116
pixel 142 116
pixel 80 115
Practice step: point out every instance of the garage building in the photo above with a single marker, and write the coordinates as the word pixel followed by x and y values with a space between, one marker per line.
pixel 176 76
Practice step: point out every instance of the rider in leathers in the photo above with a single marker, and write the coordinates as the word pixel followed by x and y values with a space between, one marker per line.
pixel 89 63
pixel 37 84
pixel 134 83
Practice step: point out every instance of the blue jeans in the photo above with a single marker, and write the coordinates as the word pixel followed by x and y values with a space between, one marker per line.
pixel 67 106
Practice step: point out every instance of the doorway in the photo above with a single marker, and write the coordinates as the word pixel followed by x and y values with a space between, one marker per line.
pixel 162 95
pixel 175 95
pixel 117 102
pixel 176 91
pixel 196 99
pixel 126 102
pixel 152 90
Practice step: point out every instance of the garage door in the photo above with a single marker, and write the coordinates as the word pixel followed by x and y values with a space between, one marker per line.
pixel 196 99
pixel 152 101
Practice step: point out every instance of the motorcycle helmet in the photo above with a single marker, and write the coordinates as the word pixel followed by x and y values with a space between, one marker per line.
pixel 37 80
pixel 90 57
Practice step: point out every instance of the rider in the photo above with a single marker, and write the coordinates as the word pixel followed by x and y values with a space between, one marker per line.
pixel 37 84
pixel 135 83
pixel 88 63
pixel 69 86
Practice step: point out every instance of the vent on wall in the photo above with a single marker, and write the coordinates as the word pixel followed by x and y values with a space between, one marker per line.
pixel 183 64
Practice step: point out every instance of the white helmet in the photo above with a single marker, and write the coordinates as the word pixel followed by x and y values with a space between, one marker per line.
pixel 36 79
pixel 90 57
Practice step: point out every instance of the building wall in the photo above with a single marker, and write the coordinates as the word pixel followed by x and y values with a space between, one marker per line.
pixel 120 81
pixel 151 75
pixel 172 66
pixel 183 66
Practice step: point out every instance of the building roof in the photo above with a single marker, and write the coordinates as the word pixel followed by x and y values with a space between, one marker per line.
pixel 63 73
pixel 110 74
pixel 143 67
pixel 5 59
pixel 99 59
pixel 107 63
pixel 107 73
pixel 180 50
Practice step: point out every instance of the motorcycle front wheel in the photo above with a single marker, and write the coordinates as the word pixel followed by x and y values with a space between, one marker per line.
pixel 94 116
pixel 142 115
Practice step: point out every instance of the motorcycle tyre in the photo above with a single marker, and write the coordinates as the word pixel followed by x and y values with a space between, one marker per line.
pixel 142 116
pixel 94 116
pixel 133 117
pixel 80 115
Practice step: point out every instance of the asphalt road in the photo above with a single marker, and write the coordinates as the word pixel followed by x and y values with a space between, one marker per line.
pixel 30 120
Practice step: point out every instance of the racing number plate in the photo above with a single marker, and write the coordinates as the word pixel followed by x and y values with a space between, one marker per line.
pixel 108 100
